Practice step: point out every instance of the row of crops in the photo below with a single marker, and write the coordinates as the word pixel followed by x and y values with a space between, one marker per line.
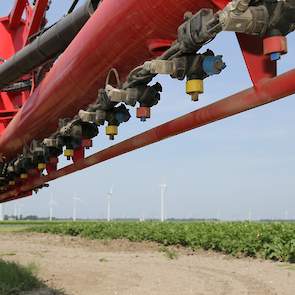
pixel 275 241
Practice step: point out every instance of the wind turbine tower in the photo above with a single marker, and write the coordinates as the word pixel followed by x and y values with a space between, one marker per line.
pixel 75 200
pixel 109 196
pixel 163 192
pixel 250 215
pixel 15 211
pixel 1 212
pixel 51 204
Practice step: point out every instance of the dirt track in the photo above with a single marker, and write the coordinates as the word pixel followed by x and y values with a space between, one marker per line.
pixel 92 268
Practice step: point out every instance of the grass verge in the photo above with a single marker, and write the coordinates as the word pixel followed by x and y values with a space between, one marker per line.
pixel 16 279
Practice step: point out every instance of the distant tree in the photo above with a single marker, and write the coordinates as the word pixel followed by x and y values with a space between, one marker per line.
pixel 30 217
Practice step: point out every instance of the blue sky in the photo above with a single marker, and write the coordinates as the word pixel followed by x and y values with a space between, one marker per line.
pixel 225 169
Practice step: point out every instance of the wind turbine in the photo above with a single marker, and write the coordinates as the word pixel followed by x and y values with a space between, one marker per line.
pixel 109 196
pixel 163 191
pixel 286 215
pixel 75 200
pixel 19 206
pixel 1 212
pixel 15 211
pixel 142 218
pixel 250 215
pixel 51 204
pixel 219 215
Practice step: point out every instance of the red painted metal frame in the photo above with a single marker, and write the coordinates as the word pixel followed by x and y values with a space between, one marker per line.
pixel 14 32
pixel 16 13
pixel 266 91
pixel 12 40
pixel 37 18
pixel 34 16
pixel 259 65
pixel 110 40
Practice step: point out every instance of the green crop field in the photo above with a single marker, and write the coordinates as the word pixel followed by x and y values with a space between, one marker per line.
pixel 275 241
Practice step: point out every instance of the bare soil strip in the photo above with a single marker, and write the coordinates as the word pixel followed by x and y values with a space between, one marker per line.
pixel 83 267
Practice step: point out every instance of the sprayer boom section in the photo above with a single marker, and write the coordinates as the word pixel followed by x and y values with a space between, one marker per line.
pixel 60 83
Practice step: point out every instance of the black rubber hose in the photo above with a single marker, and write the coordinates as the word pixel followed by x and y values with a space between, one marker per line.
pixel 47 46
pixel 73 6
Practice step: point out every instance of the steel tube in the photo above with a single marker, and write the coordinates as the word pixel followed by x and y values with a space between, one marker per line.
pixel 265 92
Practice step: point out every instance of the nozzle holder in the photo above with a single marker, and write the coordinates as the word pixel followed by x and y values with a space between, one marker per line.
pixel 68 153
pixel 112 131
pixel 41 166
pixel 143 113
pixel 275 46
pixel 24 176
pixel 87 143
pixel 194 88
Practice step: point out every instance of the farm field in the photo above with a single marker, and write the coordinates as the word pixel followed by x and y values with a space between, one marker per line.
pixel 275 241
pixel 156 258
